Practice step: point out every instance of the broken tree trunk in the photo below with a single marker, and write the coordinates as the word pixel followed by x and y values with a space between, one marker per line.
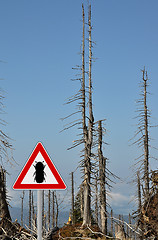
pixel 139 207
pixel 22 206
pixel 96 199
pixel 53 210
pixel 146 138
pixel 4 210
pixel 72 195
pixel 102 179
pixel 112 223
pixel 81 200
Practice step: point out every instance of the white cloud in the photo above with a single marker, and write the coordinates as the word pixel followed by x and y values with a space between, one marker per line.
pixel 118 199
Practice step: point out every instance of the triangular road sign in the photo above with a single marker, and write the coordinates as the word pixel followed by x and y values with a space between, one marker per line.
pixel 39 172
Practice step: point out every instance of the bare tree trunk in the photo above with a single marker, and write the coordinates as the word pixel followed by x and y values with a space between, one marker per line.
pixel 57 211
pixel 72 193
pixel 81 200
pixel 30 208
pixel 4 210
pixel 33 213
pixel 139 207
pixel 112 227
pixel 146 138
pixel 48 210
pixel 96 199
pixel 22 207
pixel 3 172
pixel 102 166
pixel 87 190
pixel 86 214
pixel 130 232
pixel 53 211
pixel 127 231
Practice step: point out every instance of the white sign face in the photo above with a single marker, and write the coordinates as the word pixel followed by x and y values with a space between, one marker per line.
pixel 48 177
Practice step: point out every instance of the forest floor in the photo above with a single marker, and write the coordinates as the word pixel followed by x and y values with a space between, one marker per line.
pixel 77 232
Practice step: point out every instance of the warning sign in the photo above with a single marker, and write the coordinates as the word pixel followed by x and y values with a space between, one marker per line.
pixel 39 172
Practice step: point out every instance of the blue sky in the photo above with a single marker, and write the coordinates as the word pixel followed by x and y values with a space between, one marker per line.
pixel 41 42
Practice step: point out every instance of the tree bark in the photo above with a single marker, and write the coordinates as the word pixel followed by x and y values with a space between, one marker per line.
pixel 130 232
pixel 102 178
pixel 81 200
pixel 86 214
pixel 146 138
pixel 22 207
pixel 112 222
pixel 4 210
pixel 53 211
pixel 96 199
pixel 33 213
pixel 57 211
pixel 139 206
pixel 72 195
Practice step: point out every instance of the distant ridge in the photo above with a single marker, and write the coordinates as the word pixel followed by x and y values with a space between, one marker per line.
pixel 16 214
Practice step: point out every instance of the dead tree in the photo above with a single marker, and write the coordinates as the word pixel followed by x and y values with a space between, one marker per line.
pixel 102 179
pixel 143 141
pixel 112 223
pixel 88 135
pixel 96 199
pixel 4 210
pixel 4 146
pixel 53 209
pixel 87 131
pixel 142 163
pixel 72 196
pixel 22 206
pixel 146 138
pixel 81 200
pixel 86 213
pixel 140 223
pixel 57 210
pixel 87 121
pixel 130 232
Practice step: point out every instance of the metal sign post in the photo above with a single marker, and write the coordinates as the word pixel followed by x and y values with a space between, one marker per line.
pixel 39 214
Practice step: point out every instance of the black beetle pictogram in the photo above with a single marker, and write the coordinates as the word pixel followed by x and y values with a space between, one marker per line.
pixel 39 172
